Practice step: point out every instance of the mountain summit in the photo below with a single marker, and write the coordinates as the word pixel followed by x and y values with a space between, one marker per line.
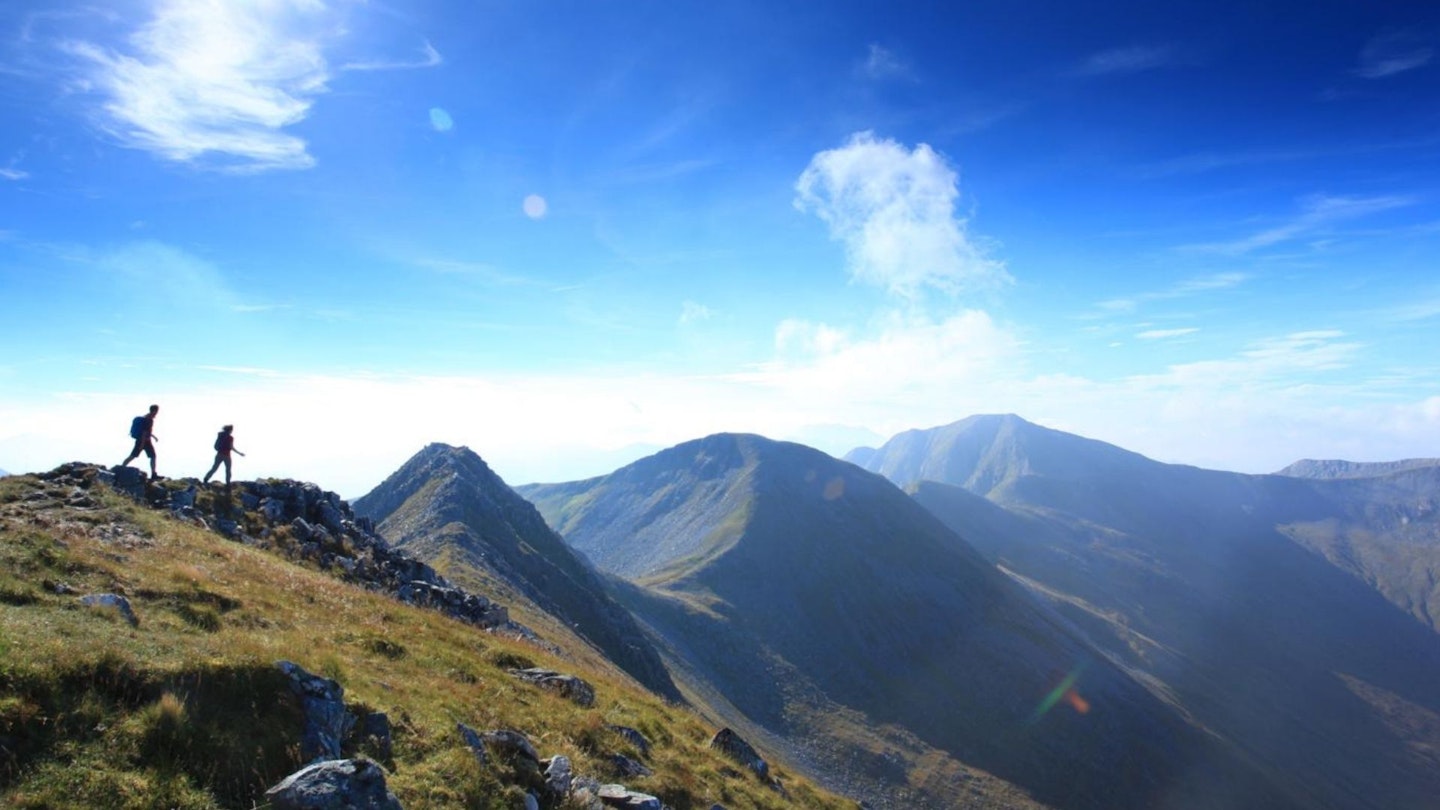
pixel 804 590
pixel 447 507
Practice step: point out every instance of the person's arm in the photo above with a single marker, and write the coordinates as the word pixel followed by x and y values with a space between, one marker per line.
pixel 236 452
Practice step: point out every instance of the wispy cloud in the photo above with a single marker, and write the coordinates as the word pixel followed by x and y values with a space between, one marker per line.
pixel 882 63
pixel 1130 59
pixel 1394 53
pixel 692 312
pixel 165 275
pixel 1316 213
pixel 217 80
pixel 1161 334
pixel 894 210
pixel 481 271
pixel 10 171
pixel 429 57
pixel 1187 287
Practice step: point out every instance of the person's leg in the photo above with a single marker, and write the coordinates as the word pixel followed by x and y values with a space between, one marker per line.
pixel 213 468
pixel 227 471
pixel 134 453
pixel 150 451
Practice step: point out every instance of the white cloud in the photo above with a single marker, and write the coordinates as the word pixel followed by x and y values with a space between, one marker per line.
pixel 535 206
pixel 894 210
pixel 429 57
pixel 1280 399
pixel 1393 53
pixel 1161 334
pixel 1131 59
pixel 215 79
pixel 440 120
pixel 10 173
pixel 900 354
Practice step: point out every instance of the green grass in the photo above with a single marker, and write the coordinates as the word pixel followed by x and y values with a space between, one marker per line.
pixel 188 710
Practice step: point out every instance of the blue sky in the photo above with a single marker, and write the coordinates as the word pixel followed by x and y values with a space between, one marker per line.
pixel 569 233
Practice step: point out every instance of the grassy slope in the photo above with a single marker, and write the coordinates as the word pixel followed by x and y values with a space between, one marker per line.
pixel 187 710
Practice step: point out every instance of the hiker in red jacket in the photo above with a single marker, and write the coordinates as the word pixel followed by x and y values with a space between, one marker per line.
pixel 142 430
pixel 224 446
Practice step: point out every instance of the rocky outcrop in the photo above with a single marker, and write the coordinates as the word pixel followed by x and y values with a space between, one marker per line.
pixel 555 777
pixel 567 686
pixel 327 722
pixel 734 746
pixel 114 602
pixel 302 521
pixel 340 784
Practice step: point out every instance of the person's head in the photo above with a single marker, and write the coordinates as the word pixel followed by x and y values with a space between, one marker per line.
pixel 154 409
pixel 228 428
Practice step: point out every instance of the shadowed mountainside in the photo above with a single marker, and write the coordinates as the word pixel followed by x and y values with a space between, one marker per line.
pixel 802 588
pixel 1195 579
pixel 446 506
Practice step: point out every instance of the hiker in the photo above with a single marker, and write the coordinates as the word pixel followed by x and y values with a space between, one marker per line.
pixel 142 430
pixel 224 446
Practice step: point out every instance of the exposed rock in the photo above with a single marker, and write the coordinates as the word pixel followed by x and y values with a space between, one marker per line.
pixel 374 728
pixel 327 722
pixel 474 741
pixel 732 745
pixel 339 784
pixel 620 796
pixel 531 803
pixel 113 601
pixel 301 530
pixel 558 775
pixel 182 499
pixel 634 737
pixel 627 767
pixel 130 481
pixel 567 686
pixel 511 744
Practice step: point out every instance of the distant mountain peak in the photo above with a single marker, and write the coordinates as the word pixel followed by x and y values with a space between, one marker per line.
pixel 988 451
pixel 1330 469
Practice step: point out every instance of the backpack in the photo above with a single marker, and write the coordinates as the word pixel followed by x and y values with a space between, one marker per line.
pixel 220 440
pixel 137 427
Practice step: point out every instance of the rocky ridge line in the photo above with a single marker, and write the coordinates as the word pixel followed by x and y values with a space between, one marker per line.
pixel 301 521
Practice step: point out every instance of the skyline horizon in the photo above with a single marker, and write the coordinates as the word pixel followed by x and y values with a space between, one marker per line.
pixel 1206 232
pixel 604 464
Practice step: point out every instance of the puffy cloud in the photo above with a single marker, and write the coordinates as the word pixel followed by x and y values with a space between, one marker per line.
pixel 894 210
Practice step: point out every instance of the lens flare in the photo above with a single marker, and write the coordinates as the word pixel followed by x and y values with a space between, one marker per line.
pixel 1064 691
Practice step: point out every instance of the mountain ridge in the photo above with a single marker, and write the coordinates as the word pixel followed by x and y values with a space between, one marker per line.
pixel 881 610
pixel 1229 591
pixel 446 506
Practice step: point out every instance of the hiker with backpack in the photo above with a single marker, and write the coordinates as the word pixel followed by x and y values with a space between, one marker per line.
pixel 142 430
pixel 224 446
